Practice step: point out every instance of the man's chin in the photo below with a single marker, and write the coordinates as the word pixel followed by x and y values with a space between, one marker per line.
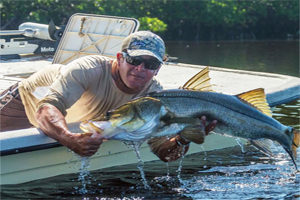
pixel 137 86
pixel 137 82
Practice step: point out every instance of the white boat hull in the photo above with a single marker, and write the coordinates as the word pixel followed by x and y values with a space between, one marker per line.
pixel 40 164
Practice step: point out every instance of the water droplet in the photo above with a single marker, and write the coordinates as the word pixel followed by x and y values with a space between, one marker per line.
pixel 136 146
pixel 84 175
pixel 180 164
pixel 168 170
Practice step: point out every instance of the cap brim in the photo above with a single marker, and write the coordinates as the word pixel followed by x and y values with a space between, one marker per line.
pixel 143 52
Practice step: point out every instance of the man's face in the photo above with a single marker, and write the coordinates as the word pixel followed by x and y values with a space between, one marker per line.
pixel 135 77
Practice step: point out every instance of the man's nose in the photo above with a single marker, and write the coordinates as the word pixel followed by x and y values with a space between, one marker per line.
pixel 140 67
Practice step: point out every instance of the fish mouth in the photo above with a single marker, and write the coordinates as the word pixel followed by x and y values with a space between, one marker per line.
pixel 87 127
pixel 105 128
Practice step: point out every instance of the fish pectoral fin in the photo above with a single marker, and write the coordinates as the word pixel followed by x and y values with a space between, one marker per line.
pixel 257 99
pixel 199 82
pixel 168 117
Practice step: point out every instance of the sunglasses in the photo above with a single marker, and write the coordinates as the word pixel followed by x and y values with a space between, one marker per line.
pixel 151 64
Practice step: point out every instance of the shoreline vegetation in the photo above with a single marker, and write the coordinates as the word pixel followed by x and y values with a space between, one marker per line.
pixel 197 20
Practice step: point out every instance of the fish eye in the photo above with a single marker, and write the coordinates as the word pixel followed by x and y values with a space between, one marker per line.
pixel 289 130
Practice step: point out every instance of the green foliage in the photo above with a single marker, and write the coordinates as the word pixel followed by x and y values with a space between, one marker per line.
pixel 173 19
pixel 152 24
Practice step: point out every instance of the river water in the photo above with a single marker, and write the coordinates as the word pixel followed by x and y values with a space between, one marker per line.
pixel 226 174
pixel 280 57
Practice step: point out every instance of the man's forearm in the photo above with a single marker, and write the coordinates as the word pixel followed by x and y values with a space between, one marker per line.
pixel 52 122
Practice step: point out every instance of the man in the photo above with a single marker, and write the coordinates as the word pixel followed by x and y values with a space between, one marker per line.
pixel 88 87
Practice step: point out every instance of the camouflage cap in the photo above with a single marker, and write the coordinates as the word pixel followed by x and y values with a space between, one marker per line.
pixel 144 43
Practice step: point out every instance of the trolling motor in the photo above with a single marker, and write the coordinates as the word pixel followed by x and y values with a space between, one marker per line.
pixel 39 39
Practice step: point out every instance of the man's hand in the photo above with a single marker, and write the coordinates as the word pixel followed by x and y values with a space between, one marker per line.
pixel 197 133
pixel 171 149
pixel 52 122
pixel 84 144
pixel 208 127
pixel 167 149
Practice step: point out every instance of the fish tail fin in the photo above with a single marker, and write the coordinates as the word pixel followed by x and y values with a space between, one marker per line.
pixel 296 142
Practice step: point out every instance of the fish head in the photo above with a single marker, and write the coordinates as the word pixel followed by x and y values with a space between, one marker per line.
pixel 132 117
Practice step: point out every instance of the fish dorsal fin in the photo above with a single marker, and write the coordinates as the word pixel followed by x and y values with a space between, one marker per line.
pixel 199 82
pixel 257 99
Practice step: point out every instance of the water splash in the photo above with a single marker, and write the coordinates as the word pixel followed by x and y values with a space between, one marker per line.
pixel 168 170
pixel 180 164
pixel 136 147
pixel 161 180
pixel 84 175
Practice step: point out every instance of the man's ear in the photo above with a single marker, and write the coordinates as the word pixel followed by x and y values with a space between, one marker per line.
pixel 120 57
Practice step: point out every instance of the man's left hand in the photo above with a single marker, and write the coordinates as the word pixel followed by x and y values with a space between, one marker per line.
pixel 171 149
pixel 197 133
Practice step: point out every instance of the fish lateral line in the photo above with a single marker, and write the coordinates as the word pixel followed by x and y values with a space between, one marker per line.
pixel 197 95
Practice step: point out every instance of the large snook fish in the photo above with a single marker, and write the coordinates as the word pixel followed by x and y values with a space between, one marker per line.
pixel 171 111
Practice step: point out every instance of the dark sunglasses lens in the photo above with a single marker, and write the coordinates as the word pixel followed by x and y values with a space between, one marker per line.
pixel 133 60
pixel 137 60
pixel 152 64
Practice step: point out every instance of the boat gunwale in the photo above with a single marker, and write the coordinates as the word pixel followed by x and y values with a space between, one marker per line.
pixel 8 152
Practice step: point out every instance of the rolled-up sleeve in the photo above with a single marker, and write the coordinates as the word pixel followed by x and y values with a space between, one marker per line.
pixel 69 85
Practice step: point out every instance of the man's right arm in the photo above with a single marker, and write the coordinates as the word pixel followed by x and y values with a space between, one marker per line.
pixel 52 122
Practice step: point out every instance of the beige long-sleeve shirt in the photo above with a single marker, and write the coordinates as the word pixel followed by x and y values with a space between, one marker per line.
pixel 82 90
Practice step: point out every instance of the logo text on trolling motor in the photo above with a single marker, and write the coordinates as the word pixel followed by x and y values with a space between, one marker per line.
pixel 47 49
